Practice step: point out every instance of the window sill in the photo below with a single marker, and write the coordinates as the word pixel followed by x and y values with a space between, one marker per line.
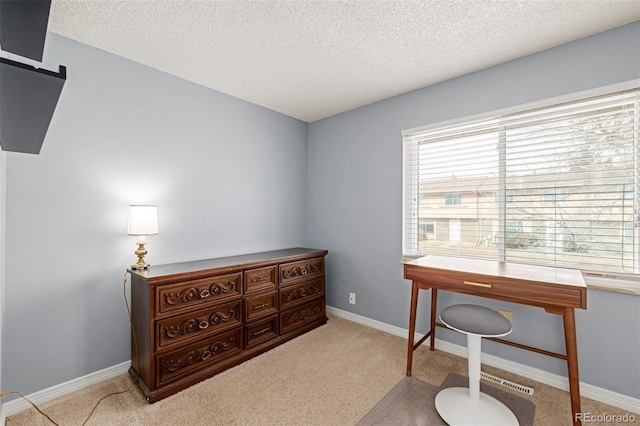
pixel 613 285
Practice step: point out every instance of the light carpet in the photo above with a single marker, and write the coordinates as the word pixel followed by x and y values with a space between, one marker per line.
pixel 332 375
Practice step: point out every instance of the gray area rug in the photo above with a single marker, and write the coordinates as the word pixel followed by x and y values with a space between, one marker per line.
pixel 411 402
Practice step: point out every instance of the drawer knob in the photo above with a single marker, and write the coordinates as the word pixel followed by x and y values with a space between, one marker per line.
pixel 205 293
pixel 203 325
pixel 205 355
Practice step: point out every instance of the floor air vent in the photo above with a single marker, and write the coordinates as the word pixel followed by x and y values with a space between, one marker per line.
pixel 503 382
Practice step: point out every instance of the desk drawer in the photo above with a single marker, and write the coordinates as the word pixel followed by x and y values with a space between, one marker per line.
pixel 527 291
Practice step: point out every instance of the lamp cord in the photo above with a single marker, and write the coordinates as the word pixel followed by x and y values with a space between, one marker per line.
pixel 135 341
pixel 3 394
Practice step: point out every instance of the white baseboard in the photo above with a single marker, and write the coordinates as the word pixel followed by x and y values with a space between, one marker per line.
pixel 17 405
pixel 615 399
pixel 599 394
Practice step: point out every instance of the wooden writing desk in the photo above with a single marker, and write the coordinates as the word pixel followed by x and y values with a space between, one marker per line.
pixel 558 291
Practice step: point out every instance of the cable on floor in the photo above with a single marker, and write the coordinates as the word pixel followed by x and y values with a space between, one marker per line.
pixel 135 340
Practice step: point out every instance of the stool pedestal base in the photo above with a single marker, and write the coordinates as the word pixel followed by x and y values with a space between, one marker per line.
pixel 457 408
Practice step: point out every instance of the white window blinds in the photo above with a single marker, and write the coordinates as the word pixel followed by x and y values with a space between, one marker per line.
pixel 555 186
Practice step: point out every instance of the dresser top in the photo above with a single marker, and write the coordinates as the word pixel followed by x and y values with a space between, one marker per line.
pixel 253 260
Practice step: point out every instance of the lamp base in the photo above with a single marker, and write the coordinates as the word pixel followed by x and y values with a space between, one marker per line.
pixel 141 264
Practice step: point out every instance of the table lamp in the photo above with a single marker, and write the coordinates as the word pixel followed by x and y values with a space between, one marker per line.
pixel 143 221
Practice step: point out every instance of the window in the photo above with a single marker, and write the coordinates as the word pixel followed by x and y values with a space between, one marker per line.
pixel 453 199
pixel 427 226
pixel 509 197
pixel 555 185
pixel 514 225
pixel 426 230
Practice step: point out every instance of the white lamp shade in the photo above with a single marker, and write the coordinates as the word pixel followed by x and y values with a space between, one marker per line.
pixel 143 220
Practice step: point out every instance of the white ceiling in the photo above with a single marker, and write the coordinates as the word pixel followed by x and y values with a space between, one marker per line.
pixel 313 59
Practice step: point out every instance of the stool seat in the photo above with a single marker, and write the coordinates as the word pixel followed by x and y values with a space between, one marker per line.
pixel 468 406
pixel 475 319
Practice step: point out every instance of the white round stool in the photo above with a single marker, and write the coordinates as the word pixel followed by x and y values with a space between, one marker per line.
pixel 468 406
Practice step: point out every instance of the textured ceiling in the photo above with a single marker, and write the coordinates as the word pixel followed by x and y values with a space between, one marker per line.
pixel 314 59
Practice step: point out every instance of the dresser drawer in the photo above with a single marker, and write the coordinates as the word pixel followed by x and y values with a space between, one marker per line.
pixel 298 294
pixel 261 331
pixel 302 315
pixel 261 305
pixel 199 323
pixel 302 270
pixel 199 355
pixel 260 279
pixel 191 293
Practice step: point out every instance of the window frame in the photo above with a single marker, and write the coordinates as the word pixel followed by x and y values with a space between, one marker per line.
pixel 453 199
pixel 622 282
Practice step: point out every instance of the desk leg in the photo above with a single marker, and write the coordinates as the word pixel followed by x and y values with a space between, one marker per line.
pixel 572 362
pixel 412 325
pixel 434 304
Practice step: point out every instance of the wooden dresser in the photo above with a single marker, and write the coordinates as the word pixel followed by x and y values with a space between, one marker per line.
pixel 193 320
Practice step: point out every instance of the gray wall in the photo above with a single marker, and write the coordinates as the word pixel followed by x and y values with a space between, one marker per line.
pixel 355 205
pixel 229 177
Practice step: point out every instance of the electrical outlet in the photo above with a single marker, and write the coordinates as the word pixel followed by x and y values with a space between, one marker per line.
pixel 352 298
pixel 506 314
